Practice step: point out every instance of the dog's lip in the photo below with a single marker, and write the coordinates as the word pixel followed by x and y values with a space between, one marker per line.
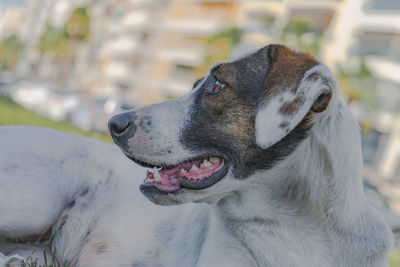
pixel 155 188
pixel 183 183
pixel 140 162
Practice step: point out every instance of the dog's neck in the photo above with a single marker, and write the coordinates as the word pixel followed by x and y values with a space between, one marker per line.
pixel 317 189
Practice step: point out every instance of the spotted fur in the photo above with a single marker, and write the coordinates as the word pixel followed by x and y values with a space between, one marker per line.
pixel 290 195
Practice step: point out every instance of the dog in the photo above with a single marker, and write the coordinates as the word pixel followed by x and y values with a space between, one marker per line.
pixel 259 165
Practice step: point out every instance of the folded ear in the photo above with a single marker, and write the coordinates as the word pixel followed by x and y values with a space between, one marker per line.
pixel 283 109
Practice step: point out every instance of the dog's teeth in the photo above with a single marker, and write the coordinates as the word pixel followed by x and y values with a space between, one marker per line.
pixel 194 168
pixel 205 163
pixel 157 176
pixel 182 171
pixel 214 159
pixel 149 180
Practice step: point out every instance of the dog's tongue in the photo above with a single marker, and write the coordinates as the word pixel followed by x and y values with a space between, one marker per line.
pixel 195 170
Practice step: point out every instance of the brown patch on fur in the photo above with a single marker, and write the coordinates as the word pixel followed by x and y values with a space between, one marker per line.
pixel 227 71
pixel 287 70
pixel 289 108
pixel 317 75
pixel 313 76
pixel 326 80
pixel 231 112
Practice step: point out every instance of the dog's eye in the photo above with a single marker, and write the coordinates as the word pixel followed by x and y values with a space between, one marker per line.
pixel 218 86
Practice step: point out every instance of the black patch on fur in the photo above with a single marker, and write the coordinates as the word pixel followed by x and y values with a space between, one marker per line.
pixel 101 249
pixel 207 131
pixel 197 83
pixel 63 220
pixel 145 124
pixel 84 191
pixel 45 236
pixel 70 204
pixel 36 238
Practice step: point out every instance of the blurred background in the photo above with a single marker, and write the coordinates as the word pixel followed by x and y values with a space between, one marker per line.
pixel 72 64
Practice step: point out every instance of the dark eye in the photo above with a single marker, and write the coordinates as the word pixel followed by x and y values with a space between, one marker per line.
pixel 218 86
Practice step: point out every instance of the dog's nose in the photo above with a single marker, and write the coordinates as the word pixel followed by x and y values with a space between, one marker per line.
pixel 119 124
pixel 122 127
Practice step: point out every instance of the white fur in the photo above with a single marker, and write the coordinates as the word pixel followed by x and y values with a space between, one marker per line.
pixel 308 210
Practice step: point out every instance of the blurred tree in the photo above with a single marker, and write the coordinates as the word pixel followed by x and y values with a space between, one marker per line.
pixel 302 34
pixel 78 25
pixel 61 44
pixel 218 48
pixel 10 49
pixel 62 41
pixel 53 40
pixel 358 84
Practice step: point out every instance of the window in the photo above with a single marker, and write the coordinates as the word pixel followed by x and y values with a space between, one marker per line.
pixel 383 5
pixel 379 43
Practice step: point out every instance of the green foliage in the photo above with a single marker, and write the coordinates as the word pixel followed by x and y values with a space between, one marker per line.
pixel 10 49
pixel 232 34
pixel 358 84
pixel 300 33
pixel 54 40
pixel 299 26
pixel 58 40
pixel 78 24
pixel 394 259
pixel 13 114
pixel 218 48
pixel 53 261
pixel 361 73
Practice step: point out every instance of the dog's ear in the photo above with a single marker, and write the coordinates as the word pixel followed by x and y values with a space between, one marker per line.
pixel 295 85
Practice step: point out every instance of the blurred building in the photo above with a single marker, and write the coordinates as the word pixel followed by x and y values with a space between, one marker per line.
pixel 142 51
pixel 369 30
pixel 150 50
pixel 264 21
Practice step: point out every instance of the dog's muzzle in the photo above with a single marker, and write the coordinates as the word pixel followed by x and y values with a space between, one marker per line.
pixel 136 134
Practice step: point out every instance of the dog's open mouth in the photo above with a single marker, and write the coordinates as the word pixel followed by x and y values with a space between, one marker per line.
pixel 195 174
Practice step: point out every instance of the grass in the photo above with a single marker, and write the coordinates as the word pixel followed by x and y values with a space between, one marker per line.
pixel 53 261
pixel 13 114
pixel 394 259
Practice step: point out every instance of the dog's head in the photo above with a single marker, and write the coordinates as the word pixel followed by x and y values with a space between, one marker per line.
pixel 243 117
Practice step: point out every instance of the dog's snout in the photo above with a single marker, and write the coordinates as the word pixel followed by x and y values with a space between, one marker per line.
pixel 122 127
